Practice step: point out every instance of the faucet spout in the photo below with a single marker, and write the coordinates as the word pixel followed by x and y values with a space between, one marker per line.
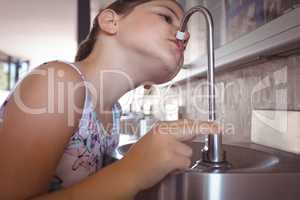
pixel 213 154
pixel 210 53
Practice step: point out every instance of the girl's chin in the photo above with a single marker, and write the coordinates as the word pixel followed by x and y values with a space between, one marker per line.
pixel 167 74
pixel 168 69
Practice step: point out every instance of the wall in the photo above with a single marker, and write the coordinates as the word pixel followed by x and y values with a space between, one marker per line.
pixel 272 84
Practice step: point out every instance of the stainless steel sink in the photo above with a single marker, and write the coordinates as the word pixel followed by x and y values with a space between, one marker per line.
pixel 256 172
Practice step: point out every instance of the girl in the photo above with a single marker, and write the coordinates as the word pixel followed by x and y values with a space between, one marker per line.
pixel 57 124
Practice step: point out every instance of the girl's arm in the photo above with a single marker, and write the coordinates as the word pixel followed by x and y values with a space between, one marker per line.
pixel 36 129
pixel 114 182
pixel 32 145
pixel 147 162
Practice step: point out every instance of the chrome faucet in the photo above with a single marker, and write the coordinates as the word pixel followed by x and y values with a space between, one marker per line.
pixel 212 153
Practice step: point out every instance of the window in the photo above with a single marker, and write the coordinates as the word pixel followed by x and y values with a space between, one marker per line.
pixel 11 71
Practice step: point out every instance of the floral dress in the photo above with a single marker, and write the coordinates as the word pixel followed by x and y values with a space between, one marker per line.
pixel 83 155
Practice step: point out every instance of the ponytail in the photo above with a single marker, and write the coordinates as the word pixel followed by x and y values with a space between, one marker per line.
pixel 86 47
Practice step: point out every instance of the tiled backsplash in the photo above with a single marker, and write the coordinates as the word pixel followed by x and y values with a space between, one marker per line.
pixel 272 85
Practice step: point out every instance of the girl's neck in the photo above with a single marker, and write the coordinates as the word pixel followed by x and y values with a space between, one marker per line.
pixel 108 80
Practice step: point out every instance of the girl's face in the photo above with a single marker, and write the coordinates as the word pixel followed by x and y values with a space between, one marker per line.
pixel 148 33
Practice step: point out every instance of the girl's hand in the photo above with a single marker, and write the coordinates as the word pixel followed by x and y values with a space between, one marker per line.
pixel 161 151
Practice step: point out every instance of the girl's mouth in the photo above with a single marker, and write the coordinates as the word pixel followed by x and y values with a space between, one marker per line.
pixel 178 44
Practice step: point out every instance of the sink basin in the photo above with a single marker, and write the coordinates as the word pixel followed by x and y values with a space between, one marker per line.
pixel 240 158
pixel 256 172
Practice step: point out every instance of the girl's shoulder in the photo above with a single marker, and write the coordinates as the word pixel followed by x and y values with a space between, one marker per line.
pixel 40 114
pixel 51 83
pixel 60 69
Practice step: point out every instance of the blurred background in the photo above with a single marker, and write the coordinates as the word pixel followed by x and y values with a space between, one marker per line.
pixel 36 31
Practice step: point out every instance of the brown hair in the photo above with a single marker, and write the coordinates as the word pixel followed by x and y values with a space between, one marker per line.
pixel 120 7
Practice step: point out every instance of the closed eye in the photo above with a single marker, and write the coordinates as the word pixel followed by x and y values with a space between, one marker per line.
pixel 167 18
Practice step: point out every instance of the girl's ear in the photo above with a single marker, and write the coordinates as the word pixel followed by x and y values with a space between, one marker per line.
pixel 108 21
